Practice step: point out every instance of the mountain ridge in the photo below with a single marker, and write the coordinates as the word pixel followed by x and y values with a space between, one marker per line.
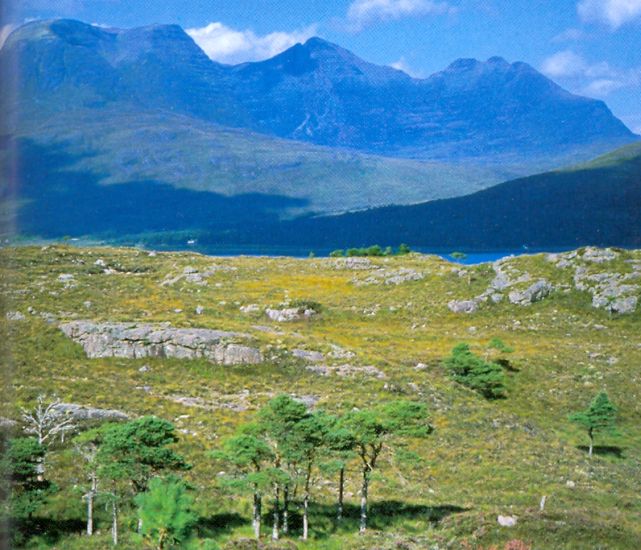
pixel 321 93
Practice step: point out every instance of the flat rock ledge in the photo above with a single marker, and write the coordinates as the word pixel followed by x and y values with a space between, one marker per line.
pixel 82 412
pixel 134 340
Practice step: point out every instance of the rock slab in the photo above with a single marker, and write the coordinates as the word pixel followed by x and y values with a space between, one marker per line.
pixel 133 341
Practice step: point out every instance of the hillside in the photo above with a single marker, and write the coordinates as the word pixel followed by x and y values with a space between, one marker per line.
pixel 594 203
pixel 384 326
pixel 134 171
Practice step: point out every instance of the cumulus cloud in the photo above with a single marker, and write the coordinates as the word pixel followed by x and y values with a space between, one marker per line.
pixel 403 65
pixel 227 45
pixel 597 79
pixel 362 13
pixel 611 12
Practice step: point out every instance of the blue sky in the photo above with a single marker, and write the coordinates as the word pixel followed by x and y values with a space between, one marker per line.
pixel 591 47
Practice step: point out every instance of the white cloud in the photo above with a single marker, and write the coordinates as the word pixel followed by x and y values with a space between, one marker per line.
pixel 563 64
pixel 593 79
pixel 227 45
pixel 611 12
pixel 362 13
pixel 570 35
pixel 5 31
pixel 403 65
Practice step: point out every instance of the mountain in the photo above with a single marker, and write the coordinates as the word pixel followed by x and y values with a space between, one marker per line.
pixel 596 203
pixel 490 112
pixel 484 111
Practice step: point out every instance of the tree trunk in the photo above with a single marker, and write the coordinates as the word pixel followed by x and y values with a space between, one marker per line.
pixel 286 510
pixel 341 489
pixel 306 515
pixel 275 528
pixel 114 522
pixel 90 498
pixel 591 443
pixel 364 489
pixel 139 526
pixel 257 512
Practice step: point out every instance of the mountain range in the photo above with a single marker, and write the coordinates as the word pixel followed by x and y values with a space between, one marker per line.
pixel 117 114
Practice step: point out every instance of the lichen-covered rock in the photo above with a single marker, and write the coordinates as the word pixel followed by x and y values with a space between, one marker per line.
pixel 391 277
pixel 355 264
pixel 14 316
pixel 133 340
pixel 463 306
pixel 346 370
pixel 289 314
pixel 82 412
pixel 534 293
pixel 307 355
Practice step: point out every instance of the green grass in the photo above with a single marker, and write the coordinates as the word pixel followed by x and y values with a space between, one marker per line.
pixel 483 459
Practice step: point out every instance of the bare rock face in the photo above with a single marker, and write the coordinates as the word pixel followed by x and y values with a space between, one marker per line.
pixel 133 340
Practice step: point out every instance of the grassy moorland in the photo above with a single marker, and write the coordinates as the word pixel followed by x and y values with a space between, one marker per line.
pixel 484 457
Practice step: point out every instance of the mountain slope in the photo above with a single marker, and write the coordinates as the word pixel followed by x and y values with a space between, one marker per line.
pixel 595 203
pixel 135 171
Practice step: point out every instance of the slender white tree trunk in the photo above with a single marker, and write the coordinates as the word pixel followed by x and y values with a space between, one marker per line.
pixel 90 499
pixel 275 527
pixel 364 489
pixel 341 488
pixel 306 515
pixel 257 513
pixel 286 509
pixel 114 522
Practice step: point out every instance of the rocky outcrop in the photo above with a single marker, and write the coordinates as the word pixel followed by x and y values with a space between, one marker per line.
pixel 133 340
pixel 507 280
pixel 84 413
pixel 610 291
pixel 390 277
pixel 534 293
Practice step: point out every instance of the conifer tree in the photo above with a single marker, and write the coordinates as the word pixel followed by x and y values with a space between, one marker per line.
pixel 600 416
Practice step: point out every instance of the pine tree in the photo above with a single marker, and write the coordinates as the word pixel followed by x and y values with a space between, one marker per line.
pixel 374 431
pixel 165 510
pixel 249 457
pixel 600 416
pixel 484 377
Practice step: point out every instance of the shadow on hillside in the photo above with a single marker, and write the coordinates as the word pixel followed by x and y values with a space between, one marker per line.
pixel 219 524
pixel 48 530
pixel 604 450
pixel 56 198
pixel 380 516
pixel 507 365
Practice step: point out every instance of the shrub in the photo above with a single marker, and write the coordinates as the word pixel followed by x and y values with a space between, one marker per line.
pixel 484 377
